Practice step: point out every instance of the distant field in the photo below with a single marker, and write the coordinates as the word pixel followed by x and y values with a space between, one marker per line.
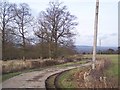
pixel 103 55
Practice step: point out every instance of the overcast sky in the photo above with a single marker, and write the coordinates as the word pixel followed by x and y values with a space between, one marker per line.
pixel 85 12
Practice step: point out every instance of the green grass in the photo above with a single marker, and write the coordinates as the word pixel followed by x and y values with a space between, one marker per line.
pixel 9 75
pixel 50 81
pixel 65 80
pixel 113 69
pixel 101 55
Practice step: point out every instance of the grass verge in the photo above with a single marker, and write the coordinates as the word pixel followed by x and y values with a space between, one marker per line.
pixel 50 81
pixel 66 79
pixel 9 75
pixel 112 73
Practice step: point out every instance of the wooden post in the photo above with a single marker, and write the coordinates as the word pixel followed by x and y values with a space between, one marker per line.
pixel 95 34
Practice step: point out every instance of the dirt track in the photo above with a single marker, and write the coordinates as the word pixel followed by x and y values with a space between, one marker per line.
pixel 35 79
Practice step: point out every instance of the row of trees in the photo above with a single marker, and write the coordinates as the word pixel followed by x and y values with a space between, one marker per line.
pixel 108 51
pixel 25 36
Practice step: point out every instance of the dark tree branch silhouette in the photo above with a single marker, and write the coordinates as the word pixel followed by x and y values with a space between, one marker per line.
pixel 23 20
pixel 57 24
pixel 6 17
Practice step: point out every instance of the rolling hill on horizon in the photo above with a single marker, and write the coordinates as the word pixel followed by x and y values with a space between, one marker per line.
pixel 88 49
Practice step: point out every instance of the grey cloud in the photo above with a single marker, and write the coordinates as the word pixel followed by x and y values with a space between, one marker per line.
pixel 105 36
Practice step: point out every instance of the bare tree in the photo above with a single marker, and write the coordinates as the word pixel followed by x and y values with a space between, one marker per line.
pixel 23 20
pixel 6 17
pixel 57 23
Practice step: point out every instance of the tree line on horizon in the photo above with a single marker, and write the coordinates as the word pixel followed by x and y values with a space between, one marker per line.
pixel 50 35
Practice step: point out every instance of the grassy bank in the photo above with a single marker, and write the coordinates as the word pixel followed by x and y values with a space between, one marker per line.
pixel 67 79
pixel 9 75
pixel 112 72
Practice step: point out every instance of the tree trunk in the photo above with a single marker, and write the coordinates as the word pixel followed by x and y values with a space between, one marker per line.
pixel 24 46
pixel 56 48
pixel 56 45
pixel 24 51
pixel 49 49
pixel 3 41
pixel 42 48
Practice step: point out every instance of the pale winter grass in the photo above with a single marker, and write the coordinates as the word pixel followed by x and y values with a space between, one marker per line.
pixel 0 73
pixel 15 65
pixel 18 65
pixel 0 67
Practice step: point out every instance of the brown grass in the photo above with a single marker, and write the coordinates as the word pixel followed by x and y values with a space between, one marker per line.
pixel 18 65
pixel 93 78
